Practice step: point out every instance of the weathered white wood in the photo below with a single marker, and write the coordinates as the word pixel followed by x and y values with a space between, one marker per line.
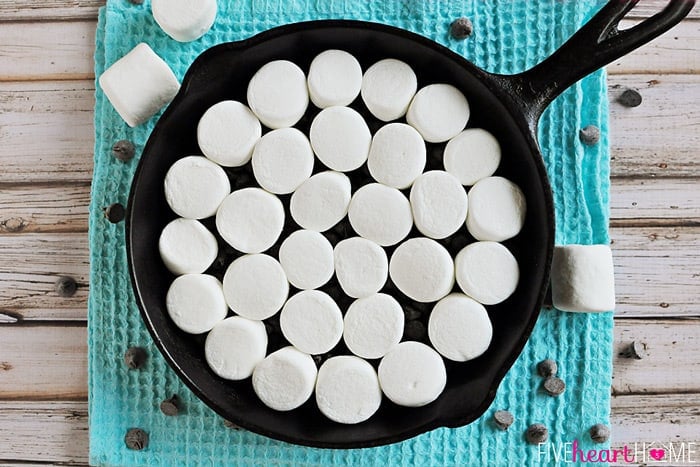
pixel 649 7
pixel 42 10
pixel 670 201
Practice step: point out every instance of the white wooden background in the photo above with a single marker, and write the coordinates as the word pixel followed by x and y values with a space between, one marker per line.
pixel 46 144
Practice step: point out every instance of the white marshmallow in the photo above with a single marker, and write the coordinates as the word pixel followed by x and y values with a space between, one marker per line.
pixel 187 247
pixel 277 94
pixel 139 84
pixel 195 302
pixel 439 204
pixel 487 272
pixel 235 346
pixel 335 78
pixel 227 133
pixel 347 389
pixel 307 259
pixel 583 278
pixel 195 187
pixel 381 214
pixel 387 89
pixel 422 269
pixel 412 374
pixel 184 20
pixel 373 325
pixel 255 286
pixel 250 220
pixel 472 155
pixel 321 201
pixel 397 155
pixel 361 266
pixel 312 322
pixel 340 138
pixel 459 328
pixel 496 209
pixel 285 379
pixel 283 160
pixel 439 112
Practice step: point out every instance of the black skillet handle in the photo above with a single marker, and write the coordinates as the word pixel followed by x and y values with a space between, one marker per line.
pixel 598 43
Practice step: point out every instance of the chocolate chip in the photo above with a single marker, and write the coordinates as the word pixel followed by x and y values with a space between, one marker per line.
pixel 600 433
pixel 124 150
pixel 136 439
pixel 461 28
pixel 136 2
pixel 170 407
pixel 547 368
pixel 554 386
pixel 635 350
pixel 135 357
pixel 536 433
pixel 115 213
pixel 65 286
pixel 231 425
pixel 590 135
pixel 630 98
pixel 503 419
pixel 414 331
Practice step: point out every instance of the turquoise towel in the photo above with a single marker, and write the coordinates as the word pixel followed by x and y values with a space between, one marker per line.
pixel 509 36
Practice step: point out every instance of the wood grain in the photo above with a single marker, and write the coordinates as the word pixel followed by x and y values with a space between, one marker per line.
pixel 43 10
pixel 654 201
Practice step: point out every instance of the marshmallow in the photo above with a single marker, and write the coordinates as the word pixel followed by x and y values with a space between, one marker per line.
pixel 235 346
pixel 321 201
pixel 472 155
pixel 187 247
pixel 250 220
pixel 227 133
pixel 439 112
pixel 195 187
pixel 307 259
pixel 282 160
pixel 285 379
pixel 412 374
pixel 255 286
pixel 496 209
pixel 277 94
pixel 139 84
pixel 195 302
pixel 184 20
pixel 397 155
pixel 340 138
pixel 459 328
pixel 439 204
pixel 347 389
pixel 487 272
pixel 335 78
pixel 422 269
pixel 381 214
pixel 583 278
pixel 361 266
pixel 312 322
pixel 373 325
pixel 387 89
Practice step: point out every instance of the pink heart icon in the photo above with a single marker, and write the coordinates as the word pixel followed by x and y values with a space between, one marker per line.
pixel 657 454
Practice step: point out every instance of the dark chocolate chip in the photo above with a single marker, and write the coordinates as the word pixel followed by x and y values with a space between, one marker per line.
pixel 635 350
pixel 115 213
pixel 599 433
pixel 536 434
pixel 135 357
pixel 414 331
pixel 461 28
pixel 124 150
pixel 547 368
pixel 554 386
pixel 136 439
pixel 136 2
pixel 65 286
pixel 503 419
pixel 630 98
pixel 170 407
pixel 590 135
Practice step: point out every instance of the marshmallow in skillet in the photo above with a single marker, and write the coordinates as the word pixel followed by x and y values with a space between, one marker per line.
pixel 412 374
pixel 195 302
pixel 312 322
pixel 347 389
pixel 387 89
pixel 184 20
pixel 307 259
pixel 381 214
pixel 487 272
pixel 583 278
pixel 139 84
pixel 250 220
pixel 235 346
pixel 439 112
pixel 373 325
pixel 335 78
pixel 459 328
pixel 472 155
pixel 282 160
pixel 422 269
pixel 277 94
pixel 340 138
pixel 496 209
pixel 195 187
pixel 255 286
pixel 227 133
pixel 321 201
pixel 285 379
pixel 439 204
pixel 187 247
pixel 397 155
pixel 361 266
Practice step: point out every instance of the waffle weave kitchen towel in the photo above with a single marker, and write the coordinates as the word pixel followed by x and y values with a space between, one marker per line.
pixel 509 36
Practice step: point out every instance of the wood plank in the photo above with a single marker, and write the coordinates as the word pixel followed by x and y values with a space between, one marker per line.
pixel 669 201
pixel 649 7
pixel 42 10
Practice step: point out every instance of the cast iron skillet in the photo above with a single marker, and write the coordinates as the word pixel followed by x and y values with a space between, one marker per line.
pixel 507 106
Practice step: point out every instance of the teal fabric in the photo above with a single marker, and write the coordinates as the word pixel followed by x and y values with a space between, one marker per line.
pixel 509 36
